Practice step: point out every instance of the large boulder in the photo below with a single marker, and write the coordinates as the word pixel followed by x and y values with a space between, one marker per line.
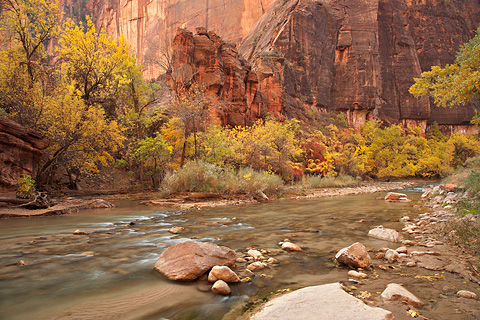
pixel 355 256
pixel 323 302
pixel 188 260
pixel 397 292
pixel 385 234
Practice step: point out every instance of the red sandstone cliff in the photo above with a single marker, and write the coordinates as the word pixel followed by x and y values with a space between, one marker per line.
pixel 20 153
pixel 357 56
pixel 305 56
pixel 150 25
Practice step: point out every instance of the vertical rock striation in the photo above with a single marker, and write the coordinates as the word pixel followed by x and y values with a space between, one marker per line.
pixel 20 153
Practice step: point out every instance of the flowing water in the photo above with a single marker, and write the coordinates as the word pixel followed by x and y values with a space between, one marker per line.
pixel 108 274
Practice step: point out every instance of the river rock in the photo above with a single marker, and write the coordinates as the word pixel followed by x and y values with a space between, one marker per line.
pixel 288 246
pixel 355 274
pixel 385 234
pixel 256 266
pixel 188 260
pixel 467 294
pixel 221 287
pixel 394 196
pixel 325 302
pixel 222 273
pixel 79 232
pixel 355 256
pixel 402 249
pixel 272 261
pixel 391 255
pixel 397 292
pixel 176 230
pixel 255 254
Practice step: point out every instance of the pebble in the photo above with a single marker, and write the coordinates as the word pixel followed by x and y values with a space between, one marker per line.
pixel 221 287
pixel 255 254
pixel 79 232
pixel 176 230
pixel 355 274
pixel 272 261
pixel 402 250
pixel 256 266
pixel 391 255
pixel 467 294
pixel 411 264
pixel 408 242
pixel 288 246
pixel 379 255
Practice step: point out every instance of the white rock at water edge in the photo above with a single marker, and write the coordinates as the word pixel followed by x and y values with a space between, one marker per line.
pixel 397 292
pixel 385 234
pixel 325 302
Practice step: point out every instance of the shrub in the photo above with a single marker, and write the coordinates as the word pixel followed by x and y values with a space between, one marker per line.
pixel 205 177
pixel 25 187
pixel 342 180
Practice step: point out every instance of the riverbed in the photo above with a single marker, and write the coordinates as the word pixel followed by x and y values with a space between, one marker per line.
pixel 47 272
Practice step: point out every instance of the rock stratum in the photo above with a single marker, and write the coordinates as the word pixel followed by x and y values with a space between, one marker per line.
pixel 20 153
pixel 302 58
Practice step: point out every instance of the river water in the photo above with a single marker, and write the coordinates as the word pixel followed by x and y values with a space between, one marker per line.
pixel 108 274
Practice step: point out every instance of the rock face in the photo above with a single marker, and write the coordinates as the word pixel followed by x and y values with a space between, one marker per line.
pixel 20 153
pixel 306 56
pixel 149 25
pixel 355 256
pixel 323 302
pixel 188 260
pixel 356 56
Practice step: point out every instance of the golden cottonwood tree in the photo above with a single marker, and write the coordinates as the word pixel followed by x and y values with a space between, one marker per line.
pixel 25 78
pixel 96 64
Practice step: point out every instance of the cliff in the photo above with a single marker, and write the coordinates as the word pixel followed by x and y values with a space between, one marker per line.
pixel 20 153
pixel 300 58
pixel 358 56
pixel 150 25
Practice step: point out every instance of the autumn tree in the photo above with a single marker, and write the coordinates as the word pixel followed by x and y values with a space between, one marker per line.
pixel 25 78
pixel 96 64
pixel 191 110
pixel 457 83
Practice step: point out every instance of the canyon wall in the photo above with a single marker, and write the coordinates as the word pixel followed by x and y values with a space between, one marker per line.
pixel 358 56
pixel 301 58
pixel 20 153
pixel 150 25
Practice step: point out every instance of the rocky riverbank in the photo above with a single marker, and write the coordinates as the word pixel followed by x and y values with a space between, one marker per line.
pixel 195 200
pixel 418 255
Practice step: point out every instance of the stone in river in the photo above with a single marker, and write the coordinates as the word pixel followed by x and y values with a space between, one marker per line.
pixel 255 254
pixel 395 196
pixel 288 246
pixel 355 256
pixel 391 255
pixel 385 234
pixel 355 274
pixel 188 260
pixel 221 287
pixel 176 230
pixel 397 292
pixel 325 302
pixel 222 273
pixel 256 266
pixel 467 294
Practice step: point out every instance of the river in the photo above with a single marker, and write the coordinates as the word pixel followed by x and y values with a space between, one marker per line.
pixel 108 274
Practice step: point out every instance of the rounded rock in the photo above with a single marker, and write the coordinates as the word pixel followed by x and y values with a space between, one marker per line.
pixel 221 287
